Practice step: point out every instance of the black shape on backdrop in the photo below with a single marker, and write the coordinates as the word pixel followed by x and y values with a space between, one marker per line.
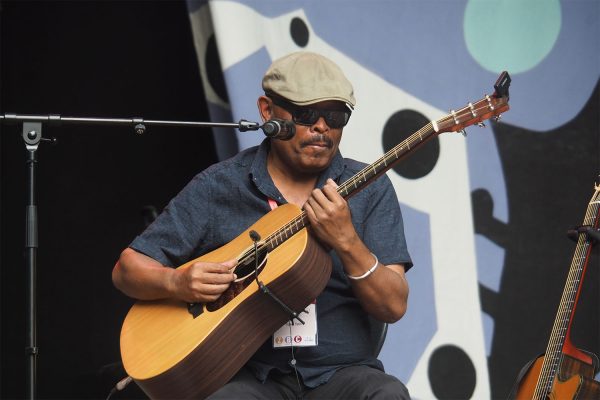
pixel 400 126
pixel 451 373
pixel 299 32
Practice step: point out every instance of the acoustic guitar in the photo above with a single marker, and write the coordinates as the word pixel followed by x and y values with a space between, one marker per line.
pixel 177 350
pixel 564 371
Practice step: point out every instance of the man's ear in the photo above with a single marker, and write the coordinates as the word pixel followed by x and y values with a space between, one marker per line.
pixel 265 108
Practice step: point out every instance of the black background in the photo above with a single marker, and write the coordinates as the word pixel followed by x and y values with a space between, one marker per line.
pixel 89 59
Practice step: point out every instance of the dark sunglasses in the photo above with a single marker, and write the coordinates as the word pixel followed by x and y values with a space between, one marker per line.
pixel 335 119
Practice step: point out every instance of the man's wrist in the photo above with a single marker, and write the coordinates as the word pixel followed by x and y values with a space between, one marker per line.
pixel 367 273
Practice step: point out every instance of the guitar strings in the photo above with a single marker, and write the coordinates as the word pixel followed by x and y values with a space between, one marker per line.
pixel 551 358
pixel 566 306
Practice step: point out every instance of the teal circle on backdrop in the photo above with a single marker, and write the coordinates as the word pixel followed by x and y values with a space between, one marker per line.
pixel 513 35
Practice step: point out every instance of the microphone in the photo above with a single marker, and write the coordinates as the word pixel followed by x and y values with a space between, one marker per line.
pixel 279 129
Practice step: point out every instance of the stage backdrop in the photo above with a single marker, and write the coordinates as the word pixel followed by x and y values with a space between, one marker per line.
pixel 486 214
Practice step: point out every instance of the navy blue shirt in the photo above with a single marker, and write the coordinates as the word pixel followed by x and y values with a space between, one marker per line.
pixel 225 199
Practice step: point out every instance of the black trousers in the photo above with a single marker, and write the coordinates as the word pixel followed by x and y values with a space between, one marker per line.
pixel 359 382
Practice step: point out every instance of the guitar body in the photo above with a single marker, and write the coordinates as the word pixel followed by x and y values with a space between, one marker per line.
pixel 575 380
pixel 170 353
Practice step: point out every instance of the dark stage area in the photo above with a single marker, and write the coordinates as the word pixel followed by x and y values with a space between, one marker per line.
pixel 88 59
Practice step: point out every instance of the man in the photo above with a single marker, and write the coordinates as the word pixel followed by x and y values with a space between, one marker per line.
pixel 365 236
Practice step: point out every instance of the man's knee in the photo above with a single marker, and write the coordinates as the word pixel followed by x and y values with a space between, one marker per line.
pixel 242 386
pixel 370 383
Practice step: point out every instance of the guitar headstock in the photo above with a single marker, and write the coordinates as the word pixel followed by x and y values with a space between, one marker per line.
pixel 475 113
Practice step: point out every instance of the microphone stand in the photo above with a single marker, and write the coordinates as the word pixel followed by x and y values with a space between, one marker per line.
pixel 32 135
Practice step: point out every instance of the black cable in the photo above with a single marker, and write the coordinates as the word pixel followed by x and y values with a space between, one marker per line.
pixel 293 361
pixel 255 238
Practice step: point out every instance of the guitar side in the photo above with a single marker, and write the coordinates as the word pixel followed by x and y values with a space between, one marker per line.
pixel 166 350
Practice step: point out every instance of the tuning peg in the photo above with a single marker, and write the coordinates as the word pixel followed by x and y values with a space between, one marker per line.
pixel 481 124
pixel 464 133
pixel 497 117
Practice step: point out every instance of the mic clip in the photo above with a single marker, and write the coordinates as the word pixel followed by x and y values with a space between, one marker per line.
pixel 244 125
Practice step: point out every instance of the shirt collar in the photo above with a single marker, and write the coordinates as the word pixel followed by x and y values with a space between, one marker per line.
pixel 261 178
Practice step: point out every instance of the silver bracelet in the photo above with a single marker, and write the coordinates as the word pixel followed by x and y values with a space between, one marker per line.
pixel 369 272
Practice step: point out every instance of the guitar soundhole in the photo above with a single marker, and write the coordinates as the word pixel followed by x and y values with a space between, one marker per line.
pixel 247 264
pixel 245 271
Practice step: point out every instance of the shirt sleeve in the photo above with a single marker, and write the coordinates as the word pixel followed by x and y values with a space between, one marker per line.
pixel 384 227
pixel 174 237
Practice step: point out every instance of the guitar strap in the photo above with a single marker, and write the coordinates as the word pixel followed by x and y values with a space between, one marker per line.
pixel 272 203
pixel 294 333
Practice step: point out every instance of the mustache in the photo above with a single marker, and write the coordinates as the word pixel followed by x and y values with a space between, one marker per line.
pixel 317 139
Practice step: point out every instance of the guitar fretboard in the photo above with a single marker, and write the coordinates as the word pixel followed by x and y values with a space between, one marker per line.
pixel 379 167
pixel 567 304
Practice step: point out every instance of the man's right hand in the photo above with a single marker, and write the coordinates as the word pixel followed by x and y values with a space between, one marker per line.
pixel 144 278
pixel 202 282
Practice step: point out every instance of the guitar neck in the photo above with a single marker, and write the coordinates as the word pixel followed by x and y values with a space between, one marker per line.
pixel 568 302
pixel 473 113
pixel 358 182
pixel 371 172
